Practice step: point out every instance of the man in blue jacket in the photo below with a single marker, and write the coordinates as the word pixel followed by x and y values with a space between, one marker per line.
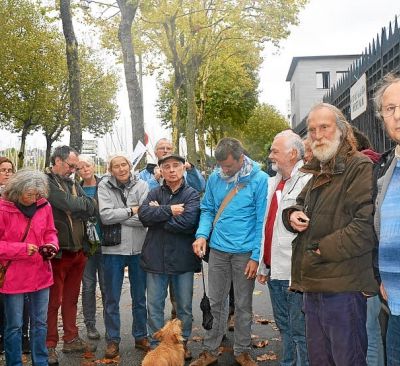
pixel 234 240
pixel 171 212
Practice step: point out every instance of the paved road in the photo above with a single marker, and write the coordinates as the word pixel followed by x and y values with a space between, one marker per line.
pixel 129 356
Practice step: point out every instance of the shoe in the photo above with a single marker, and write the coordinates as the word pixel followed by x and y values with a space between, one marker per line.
pixel 53 358
pixel 112 350
pixel 92 332
pixel 205 359
pixel 142 344
pixel 78 345
pixel 244 359
pixel 231 323
pixel 188 354
pixel 26 345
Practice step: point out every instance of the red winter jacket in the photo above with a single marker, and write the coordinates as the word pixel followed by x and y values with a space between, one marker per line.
pixel 26 273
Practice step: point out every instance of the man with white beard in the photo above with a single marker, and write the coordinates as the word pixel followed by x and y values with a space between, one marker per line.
pixel 287 153
pixel 332 253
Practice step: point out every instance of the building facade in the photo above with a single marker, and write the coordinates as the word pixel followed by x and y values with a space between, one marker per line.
pixel 310 78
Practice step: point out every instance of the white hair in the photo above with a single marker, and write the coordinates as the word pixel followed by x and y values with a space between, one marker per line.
pixel 293 141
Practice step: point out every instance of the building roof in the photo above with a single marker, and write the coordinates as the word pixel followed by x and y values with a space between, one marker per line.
pixel 295 60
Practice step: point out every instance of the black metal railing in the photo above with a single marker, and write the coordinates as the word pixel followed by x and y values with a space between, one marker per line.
pixel 379 58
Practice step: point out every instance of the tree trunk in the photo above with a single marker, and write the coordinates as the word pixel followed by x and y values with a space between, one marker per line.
pixel 49 143
pixel 192 71
pixel 73 75
pixel 128 11
pixel 21 153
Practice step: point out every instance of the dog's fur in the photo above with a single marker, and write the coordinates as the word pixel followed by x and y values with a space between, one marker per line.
pixel 170 351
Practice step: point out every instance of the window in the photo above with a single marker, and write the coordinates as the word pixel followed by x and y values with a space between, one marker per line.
pixel 340 74
pixel 323 81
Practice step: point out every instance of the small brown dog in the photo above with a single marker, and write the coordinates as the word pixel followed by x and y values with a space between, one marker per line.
pixel 170 351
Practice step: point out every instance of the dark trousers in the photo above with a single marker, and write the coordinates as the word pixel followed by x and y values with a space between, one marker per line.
pixel 335 328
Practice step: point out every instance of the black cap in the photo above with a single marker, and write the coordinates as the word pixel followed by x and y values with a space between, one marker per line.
pixel 171 156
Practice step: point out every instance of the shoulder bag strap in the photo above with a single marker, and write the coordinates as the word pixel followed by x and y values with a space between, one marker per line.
pixel 226 200
pixel 28 226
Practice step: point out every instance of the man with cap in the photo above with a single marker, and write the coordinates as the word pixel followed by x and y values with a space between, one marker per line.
pixel 171 212
pixel 152 173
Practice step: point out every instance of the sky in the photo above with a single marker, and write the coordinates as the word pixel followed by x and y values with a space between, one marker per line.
pixel 326 27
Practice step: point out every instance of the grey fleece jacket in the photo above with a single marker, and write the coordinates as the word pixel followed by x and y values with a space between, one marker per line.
pixel 113 210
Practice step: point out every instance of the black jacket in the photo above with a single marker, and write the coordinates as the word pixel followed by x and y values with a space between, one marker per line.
pixel 168 245
pixel 71 227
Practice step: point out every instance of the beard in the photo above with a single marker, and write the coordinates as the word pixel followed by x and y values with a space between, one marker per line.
pixel 325 149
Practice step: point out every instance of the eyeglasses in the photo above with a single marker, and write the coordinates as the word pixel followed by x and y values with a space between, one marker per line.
pixel 389 110
pixel 164 148
pixel 71 166
pixel 5 171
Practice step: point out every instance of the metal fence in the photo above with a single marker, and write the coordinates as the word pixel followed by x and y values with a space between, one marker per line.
pixel 379 58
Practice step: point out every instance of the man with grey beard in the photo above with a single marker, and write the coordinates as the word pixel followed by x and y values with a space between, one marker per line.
pixel 332 253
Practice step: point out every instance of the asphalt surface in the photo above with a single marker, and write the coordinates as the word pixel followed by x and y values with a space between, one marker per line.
pixel 263 331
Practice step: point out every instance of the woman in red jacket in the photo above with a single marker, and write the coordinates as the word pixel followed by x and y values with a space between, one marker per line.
pixel 28 239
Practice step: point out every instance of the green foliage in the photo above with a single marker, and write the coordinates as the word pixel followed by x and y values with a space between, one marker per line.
pixel 34 79
pixel 259 131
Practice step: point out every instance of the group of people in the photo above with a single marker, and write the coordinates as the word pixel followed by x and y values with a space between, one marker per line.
pixel 322 234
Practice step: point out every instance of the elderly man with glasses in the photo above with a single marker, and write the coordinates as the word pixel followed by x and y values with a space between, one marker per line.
pixel 152 174
pixel 70 208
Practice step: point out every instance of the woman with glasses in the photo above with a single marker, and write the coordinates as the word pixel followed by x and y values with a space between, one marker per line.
pixel 28 240
pixel 6 171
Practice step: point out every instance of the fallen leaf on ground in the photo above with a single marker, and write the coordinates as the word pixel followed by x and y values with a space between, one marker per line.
pixel 222 349
pixel 263 321
pixel 88 355
pixel 88 363
pixel 276 339
pixel 24 358
pixel 108 361
pixel 260 344
pixel 267 357
pixel 257 292
pixel 197 339
pixel 254 336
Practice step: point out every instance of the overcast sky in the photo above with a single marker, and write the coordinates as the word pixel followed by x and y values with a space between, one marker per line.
pixel 327 27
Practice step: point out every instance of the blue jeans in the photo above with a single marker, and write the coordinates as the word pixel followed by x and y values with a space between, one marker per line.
pixel 335 328
pixel 93 268
pixel 157 285
pixel 114 266
pixel 393 341
pixel 13 310
pixel 287 308
pixel 375 355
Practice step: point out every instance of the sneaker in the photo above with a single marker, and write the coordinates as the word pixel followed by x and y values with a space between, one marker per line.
pixel 205 359
pixel 53 358
pixel 26 345
pixel 244 359
pixel 112 350
pixel 92 332
pixel 142 344
pixel 77 345
pixel 231 323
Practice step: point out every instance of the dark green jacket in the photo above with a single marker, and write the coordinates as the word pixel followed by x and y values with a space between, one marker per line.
pixel 339 205
pixel 72 227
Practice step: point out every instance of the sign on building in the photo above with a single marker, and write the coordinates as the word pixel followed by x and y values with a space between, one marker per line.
pixel 358 97
pixel 89 147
